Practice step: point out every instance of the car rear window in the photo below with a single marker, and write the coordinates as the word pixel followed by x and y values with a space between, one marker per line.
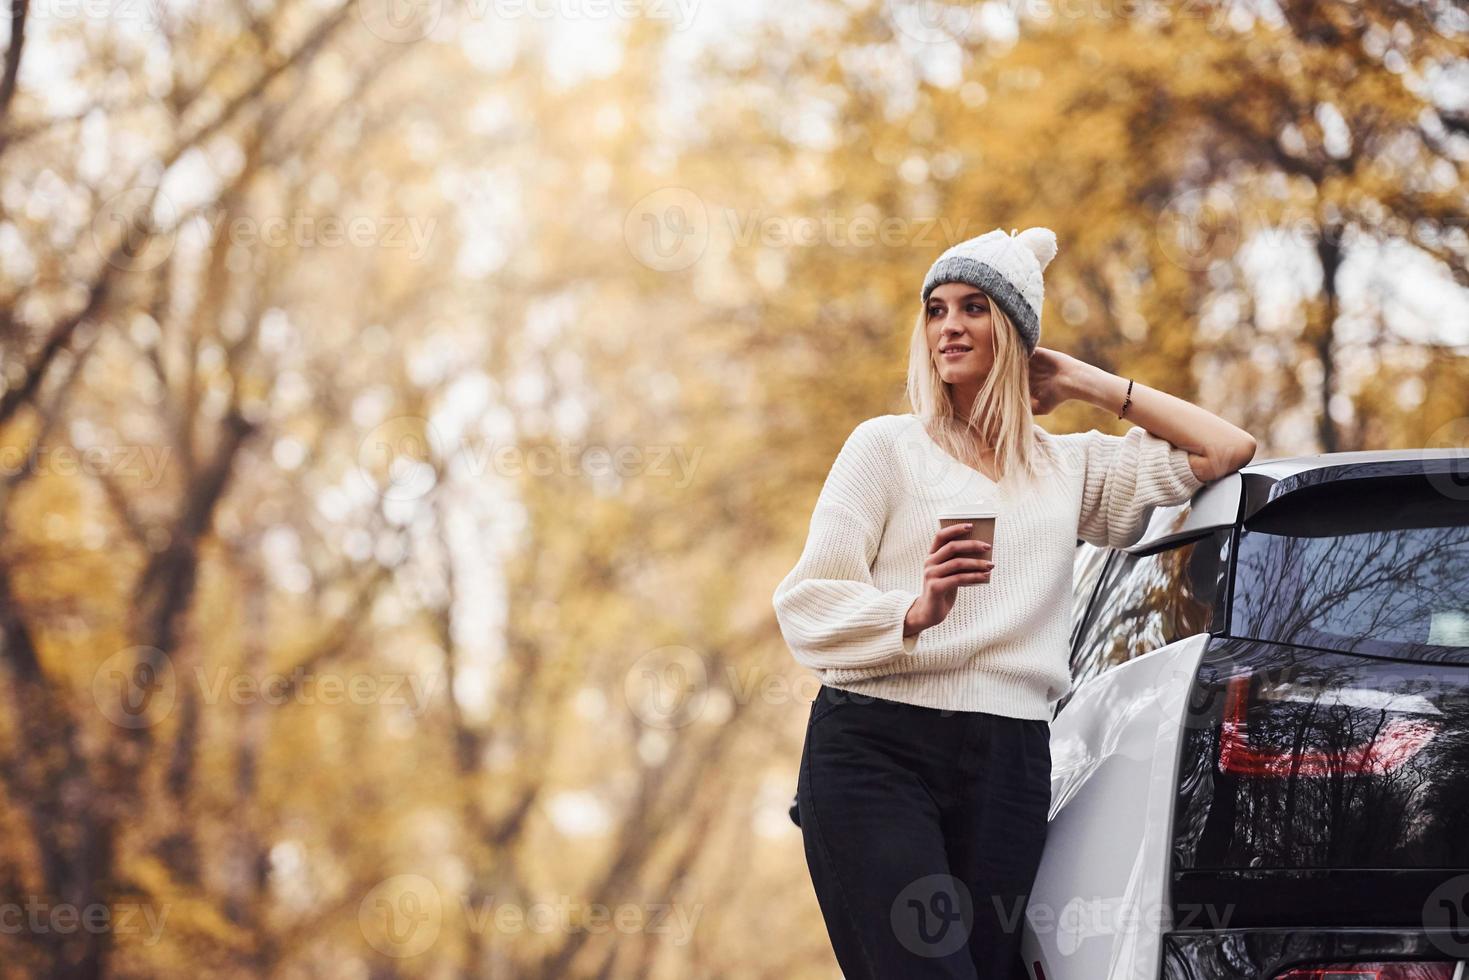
pixel 1377 566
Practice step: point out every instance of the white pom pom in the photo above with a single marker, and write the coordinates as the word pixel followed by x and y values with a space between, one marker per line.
pixel 1041 241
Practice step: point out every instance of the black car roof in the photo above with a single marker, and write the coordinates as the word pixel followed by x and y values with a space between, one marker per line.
pixel 1269 480
pixel 1237 497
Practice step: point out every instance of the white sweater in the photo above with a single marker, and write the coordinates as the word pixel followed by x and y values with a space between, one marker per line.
pixel 1003 648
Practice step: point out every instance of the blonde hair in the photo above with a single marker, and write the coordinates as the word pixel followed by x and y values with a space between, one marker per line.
pixel 1000 416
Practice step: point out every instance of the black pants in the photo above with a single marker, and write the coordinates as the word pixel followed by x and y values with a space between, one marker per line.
pixel 923 831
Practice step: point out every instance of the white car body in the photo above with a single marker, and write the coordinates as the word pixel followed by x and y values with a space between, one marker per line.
pixel 1099 905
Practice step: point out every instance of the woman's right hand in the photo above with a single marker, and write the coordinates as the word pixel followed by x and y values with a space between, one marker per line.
pixel 953 560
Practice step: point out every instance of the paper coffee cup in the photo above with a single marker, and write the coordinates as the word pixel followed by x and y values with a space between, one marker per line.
pixel 983 518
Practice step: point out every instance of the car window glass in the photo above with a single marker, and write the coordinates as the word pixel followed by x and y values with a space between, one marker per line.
pixel 1086 569
pixel 1145 602
pixel 1377 567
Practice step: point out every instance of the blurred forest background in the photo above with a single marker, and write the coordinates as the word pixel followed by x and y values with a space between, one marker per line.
pixel 407 409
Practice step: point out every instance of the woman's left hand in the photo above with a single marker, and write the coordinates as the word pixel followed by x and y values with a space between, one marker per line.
pixel 1050 377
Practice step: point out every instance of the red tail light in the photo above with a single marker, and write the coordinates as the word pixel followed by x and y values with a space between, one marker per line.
pixel 1371 971
pixel 1393 745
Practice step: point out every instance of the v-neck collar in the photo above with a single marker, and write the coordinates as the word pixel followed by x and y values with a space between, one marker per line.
pixel 957 462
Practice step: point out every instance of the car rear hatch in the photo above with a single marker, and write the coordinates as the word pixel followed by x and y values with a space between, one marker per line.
pixel 1324 770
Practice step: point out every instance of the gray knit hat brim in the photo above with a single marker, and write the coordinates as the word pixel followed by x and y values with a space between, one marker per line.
pixel 981 275
pixel 1008 267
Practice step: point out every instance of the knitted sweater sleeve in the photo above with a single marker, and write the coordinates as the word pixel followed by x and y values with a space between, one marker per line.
pixel 1126 477
pixel 831 614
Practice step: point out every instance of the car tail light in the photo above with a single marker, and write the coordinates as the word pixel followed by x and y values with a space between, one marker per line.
pixel 1392 744
pixel 1372 971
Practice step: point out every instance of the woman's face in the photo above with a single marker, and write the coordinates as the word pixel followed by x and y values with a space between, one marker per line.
pixel 958 315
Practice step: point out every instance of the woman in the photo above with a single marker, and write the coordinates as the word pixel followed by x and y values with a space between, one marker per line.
pixel 924 788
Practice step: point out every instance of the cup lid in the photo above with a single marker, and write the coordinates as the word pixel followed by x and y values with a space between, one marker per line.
pixel 975 510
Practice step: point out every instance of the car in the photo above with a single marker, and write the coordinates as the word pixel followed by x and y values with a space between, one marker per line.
pixel 1261 769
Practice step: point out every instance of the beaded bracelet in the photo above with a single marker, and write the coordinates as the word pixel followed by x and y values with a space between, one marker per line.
pixel 1127 401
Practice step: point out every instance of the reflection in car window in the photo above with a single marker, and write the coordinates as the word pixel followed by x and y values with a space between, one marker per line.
pixel 1086 569
pixel 1383 569
pixel 1150 601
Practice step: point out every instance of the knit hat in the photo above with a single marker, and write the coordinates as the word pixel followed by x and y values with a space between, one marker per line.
pixel 1008 268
